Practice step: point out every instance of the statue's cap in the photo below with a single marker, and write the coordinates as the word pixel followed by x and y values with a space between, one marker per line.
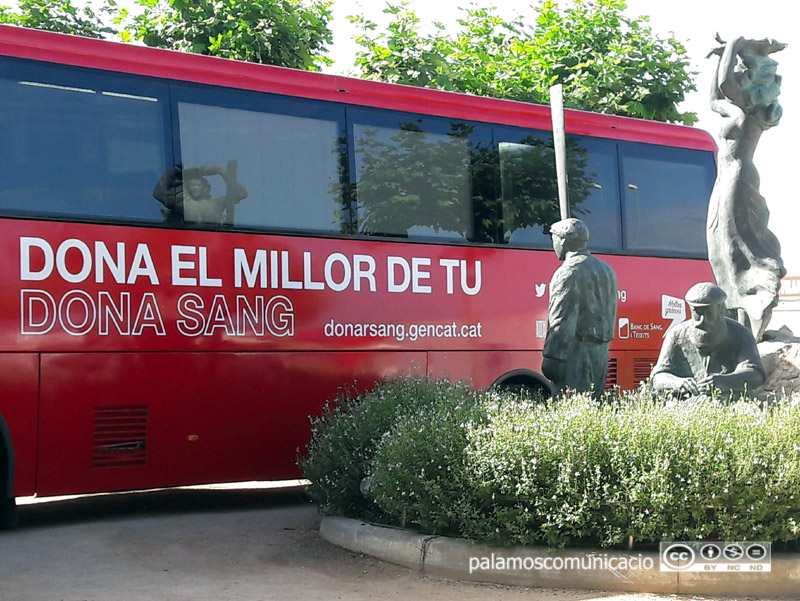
pixel 570 229
pixel 704 294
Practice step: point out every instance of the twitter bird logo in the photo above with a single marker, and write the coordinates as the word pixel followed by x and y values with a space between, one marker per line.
pixel 541 289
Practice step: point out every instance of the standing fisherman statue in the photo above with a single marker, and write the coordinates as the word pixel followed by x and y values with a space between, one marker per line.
pixel 582 309
pixel 745 255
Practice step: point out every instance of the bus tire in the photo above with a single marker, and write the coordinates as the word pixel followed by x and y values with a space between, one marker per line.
pixel 8 513
pixel 8 506
pixel 524 381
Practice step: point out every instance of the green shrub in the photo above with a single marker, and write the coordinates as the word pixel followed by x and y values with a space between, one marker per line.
pixel 344 439
pixel 576 470
pixel 420 474
pixel 509 470
pixel 549 468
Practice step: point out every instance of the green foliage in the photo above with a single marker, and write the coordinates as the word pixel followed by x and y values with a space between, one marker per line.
pixel 289 33
pixel 529 188
pixel 62 16
pixel 401 55
pixel 420 472
pixel 606 61
pixel 409 177
pixel 413 178
pixel 345 437
pixel 510 470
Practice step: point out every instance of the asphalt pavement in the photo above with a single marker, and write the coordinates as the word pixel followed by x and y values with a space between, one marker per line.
pixel 212 545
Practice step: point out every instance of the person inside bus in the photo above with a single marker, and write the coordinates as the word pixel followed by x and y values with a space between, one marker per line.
pixel 186 193
pixel 709 351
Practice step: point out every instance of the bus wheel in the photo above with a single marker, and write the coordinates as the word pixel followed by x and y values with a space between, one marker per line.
pixel 8 507
pixel 523 384
pixel 8 513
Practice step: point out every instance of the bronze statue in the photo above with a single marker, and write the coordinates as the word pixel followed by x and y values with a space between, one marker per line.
pixel 709 351
pixel 744 254
pixel 582 313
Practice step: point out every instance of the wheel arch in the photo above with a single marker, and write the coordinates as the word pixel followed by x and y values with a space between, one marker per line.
pixel 525 379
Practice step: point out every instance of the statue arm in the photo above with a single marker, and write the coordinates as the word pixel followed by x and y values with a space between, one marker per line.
pixel 562 321
pixel 668 373
pixel 562 315
pixel 748 374
pixel 169 188
pixel 668 382
pixel 235 192
pixel 725 72
pixel 725 90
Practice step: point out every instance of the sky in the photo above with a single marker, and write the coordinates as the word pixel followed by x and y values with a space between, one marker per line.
pixel 695 23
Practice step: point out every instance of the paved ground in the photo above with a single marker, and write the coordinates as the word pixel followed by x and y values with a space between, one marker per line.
pixel 192 545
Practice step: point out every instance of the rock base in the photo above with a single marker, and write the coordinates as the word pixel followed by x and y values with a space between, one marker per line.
pixel 780 354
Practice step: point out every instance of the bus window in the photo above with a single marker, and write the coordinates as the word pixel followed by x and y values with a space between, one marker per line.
pixel 75 145
pixel 594 190
pixel 260 170
pixel 413 178
pixel 665 199
pixel 529 189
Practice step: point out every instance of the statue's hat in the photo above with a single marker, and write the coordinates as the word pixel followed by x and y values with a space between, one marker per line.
pixel 570 229
pixel 704 294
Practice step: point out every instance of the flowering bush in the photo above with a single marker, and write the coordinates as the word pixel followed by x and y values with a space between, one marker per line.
pixel 345 437
pixel 509 470
pixel 420 472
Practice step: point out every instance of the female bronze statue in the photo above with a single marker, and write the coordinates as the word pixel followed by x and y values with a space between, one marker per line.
pixel 745 255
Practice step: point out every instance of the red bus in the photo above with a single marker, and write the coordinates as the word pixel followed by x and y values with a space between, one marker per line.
pixel 200 252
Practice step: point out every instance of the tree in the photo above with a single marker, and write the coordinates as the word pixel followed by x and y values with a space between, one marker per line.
pixel 289 33
pixel 62 16
pixel 606 61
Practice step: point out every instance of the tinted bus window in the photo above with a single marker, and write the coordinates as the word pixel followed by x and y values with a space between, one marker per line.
pixel 414 176
pixel 529 188
pixel 594 190
pixel 80 145
pixel 257 169
pixel 665 199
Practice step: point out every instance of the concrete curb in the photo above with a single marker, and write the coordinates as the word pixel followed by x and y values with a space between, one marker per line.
pixel 636 572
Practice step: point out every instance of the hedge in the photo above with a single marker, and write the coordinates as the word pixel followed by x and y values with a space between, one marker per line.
pixel 443 459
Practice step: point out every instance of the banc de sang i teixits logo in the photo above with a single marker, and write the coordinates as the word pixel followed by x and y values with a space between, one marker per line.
pixel 715 556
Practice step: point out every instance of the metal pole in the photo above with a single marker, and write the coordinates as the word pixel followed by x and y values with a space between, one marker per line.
pixel 560 146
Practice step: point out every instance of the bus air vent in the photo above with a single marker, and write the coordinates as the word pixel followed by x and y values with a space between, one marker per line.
pixel 120 436
pixel 611 376
pixel 641 370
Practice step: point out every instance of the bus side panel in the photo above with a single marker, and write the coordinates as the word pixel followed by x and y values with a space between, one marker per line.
pixel 116 421
pixel 482 368
pixel 633 368
pixel 19 394
pixel 626 369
